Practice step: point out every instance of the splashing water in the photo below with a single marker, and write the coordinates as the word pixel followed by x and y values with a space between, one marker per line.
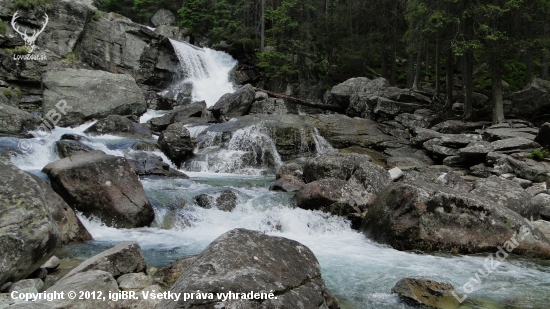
pixel 208 70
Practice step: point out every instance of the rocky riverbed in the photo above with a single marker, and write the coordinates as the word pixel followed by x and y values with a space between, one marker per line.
pixel 119 177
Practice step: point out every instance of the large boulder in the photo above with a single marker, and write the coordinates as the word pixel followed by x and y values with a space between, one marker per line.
pixel 115 44
pixel 28 233
pixel 526 168
pixel 426 293
pixel 321 194
pixel 353 168
pixel 68 148
pixel 343 92
pixel 14 121
pixel 531 100
pixel 428 217
pixel 72 230
pixel 234 104
pixel 90 95
pixel 163 17
pixel 543 137
pixel 149 164
pixel 176 143
pixel 121 259
pixel 179 114
pixel 242 261
pixel 119 126
pixel 104 186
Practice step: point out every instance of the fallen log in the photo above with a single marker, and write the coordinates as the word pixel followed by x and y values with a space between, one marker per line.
pixel 293 100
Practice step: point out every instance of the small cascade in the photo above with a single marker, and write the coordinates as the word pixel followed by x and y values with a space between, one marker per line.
pixel 321 144
pixel 249 151
pixel 206 69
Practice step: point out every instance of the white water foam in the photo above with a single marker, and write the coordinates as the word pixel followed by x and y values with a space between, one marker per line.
pixel 208 70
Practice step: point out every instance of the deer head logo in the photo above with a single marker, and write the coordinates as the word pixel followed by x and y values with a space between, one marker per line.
pixel 30 41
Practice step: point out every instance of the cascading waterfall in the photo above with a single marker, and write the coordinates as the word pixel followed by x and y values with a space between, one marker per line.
pixel 321 144
pixel 250 151
pixel 206 69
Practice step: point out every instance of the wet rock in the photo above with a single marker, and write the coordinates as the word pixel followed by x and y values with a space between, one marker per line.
pixel 543 137
pixel 205 201
pixel 93 280
pixel 227 201
pixel 172 272
pixel 179 114
pixel 104 186
pixel 68 148
pixel 176 143
pixel 23 204
pixel 288 183
pixel 163 17
pixel 247 261
pixel 70 226
pixel 321 193
pixel 15 122
pixel 90 95
pixel 234 104
pixel 74 137
pixel 290 169
pixel 118 126
pixel 505 193
pixel 134 281
pixel 428 217
pixel 121 259
pixel 427 293
pixel 147 164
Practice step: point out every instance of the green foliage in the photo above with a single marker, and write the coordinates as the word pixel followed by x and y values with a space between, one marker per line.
pixel 29 4
pixel 197 16
pixel 144 9
pixel 3 27
pixel 19 50
pixel 72 57
pixel 7 93
pixel 277 66
pixel 96 16
pixel 540 154
pixel 111 6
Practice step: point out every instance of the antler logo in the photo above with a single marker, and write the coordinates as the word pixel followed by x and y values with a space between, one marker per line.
pixel 30 41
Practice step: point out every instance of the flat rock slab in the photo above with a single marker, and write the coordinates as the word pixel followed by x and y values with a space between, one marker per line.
pixel 426 293
pixel 514 143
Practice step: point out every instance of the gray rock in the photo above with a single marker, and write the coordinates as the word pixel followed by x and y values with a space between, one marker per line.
pixel 119 126
pixel 343 92
pixel 227 201
pixel 90 95
pixel 242 261
pixel 93 280
pixel 26 284
pixel 405 157
pixel 234 104
pixel 173 32
pixel 517 143
pixel 532 99
pixel 121 259
pixel 163 17
pixel 134 281
pixel 494 134
pixel 147 164
pixel 459 140
pixel 505 193
pixel 435 146
pixel 390 108
pixel 456 161
pixel 421 135
pixel 416 120
pixel 478 149
pixel 537 188
pixel 454 181
pixel 104 186
pixel 139 51
pixel 290 169
pixel 172 272
pixel 396 173
pixel 144 303
pixel 176 143
pixel 321 193
pixel 52 263
pixel 426 293
pixel 70 226
pixel 205 201
pixel 269 106
pixel 536 171
pixel 68 148
pixel 74 137
pixel 16 122
pixel 427 217
pixel 542 203
pixel 459 126
pixel 23 204
pixel 288 183
pixel 179 114
pixel 481 170
pixel 543 137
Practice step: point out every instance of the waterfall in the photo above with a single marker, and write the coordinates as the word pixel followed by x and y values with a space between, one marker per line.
pixel 206 69
pixel 321 144
pixel 249 151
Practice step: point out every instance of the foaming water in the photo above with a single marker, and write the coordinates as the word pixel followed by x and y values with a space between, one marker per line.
pixel 208 70
pixel 359 271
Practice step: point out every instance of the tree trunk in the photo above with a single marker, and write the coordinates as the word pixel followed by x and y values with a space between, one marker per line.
pixel 393 67
pixel 385 73
pixel 410 70
pixel 427 56
pixel 528 66
pixel 262 26
pixel 544 67
pixel 416 83
pixel 437 65
pixel 496 76
pixel 449 80
pixel 467 84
